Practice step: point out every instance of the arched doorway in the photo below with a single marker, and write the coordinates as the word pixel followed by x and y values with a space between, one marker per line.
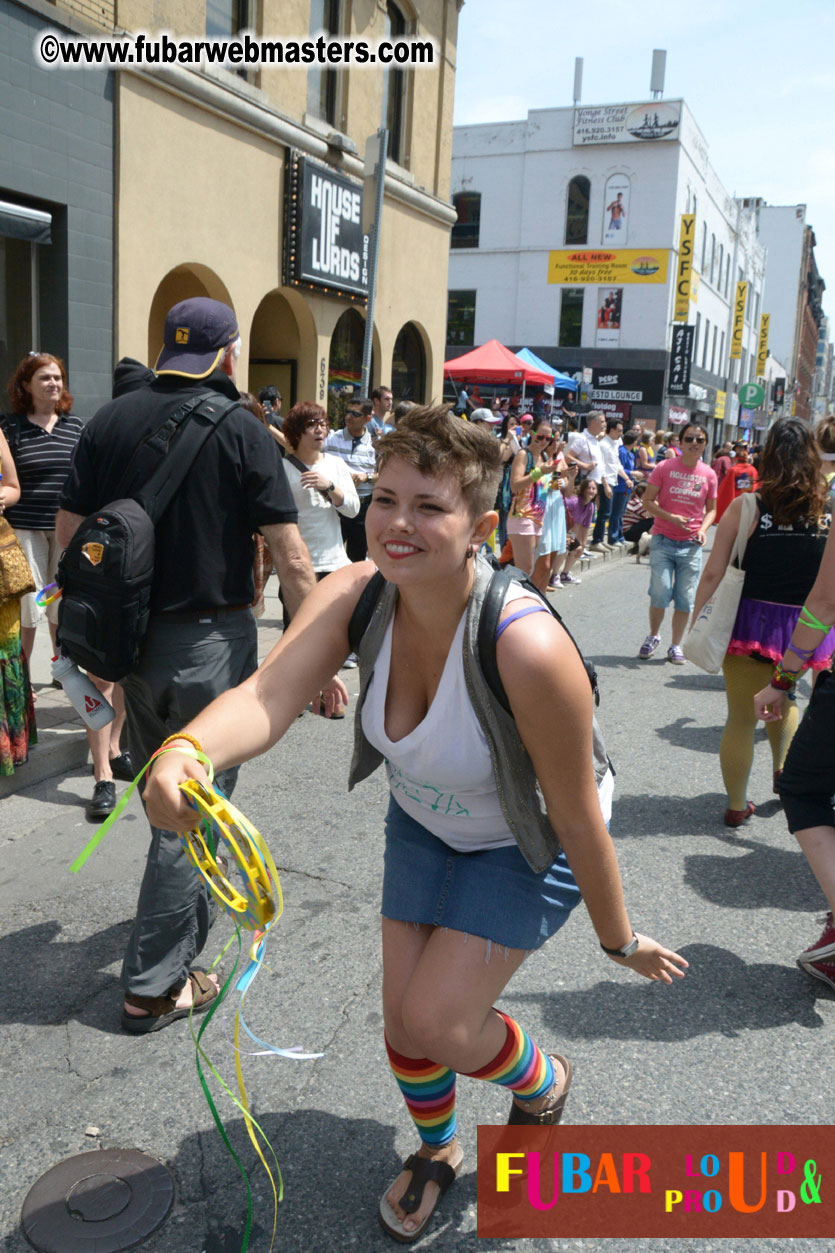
pixel 277 341
pixel 179 284
pixel 408 365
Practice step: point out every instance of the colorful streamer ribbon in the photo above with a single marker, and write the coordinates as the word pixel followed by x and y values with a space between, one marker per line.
pixel 256 909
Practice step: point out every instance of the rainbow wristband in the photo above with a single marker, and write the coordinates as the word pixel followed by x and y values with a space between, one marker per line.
pixel 784 680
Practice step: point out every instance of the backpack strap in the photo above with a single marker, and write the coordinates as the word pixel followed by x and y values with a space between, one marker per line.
pixel 488 628
pixel 175 446
pixel 364 609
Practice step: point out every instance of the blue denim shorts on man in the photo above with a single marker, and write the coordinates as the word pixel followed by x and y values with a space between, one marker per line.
pixel 493 894
pixel 675 566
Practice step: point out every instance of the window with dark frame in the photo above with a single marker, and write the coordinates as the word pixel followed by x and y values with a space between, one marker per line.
pixel 15 303
pixel 571 317
pixel 323 95
pixel 225 18
pixel 460 326
pixel 395 84
pixel 465 232
pixel 577 211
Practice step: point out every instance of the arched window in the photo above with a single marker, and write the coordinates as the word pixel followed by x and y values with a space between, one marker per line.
pixel 577 211
pixel 466 230
pixel 345 360
pixel 408 366
pixel 395 85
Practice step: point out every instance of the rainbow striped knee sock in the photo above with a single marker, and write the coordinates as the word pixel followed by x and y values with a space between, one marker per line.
pixel 519 1065
pixel 429 1092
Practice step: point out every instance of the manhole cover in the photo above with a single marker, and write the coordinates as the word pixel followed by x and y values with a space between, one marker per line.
pixel 97 1203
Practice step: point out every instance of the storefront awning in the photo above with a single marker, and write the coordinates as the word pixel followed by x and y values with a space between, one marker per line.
pixel 18 221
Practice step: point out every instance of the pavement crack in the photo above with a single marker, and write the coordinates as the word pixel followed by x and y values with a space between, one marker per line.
pixel 343 1012
pixel 315 878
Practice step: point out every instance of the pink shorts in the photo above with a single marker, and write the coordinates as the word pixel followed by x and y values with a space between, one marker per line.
pixel 523 526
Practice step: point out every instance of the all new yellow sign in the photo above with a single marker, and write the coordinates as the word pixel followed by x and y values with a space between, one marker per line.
pixel 576 267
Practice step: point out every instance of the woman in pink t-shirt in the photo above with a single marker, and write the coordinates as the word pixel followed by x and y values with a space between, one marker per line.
pixel 681 496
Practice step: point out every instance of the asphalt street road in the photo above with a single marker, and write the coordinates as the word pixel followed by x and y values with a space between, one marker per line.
pixel 741 1040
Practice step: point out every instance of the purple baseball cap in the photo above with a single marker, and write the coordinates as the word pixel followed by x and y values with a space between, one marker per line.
pixel 197 334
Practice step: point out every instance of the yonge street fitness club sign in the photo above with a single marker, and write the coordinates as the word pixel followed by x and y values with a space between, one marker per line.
pixel 324 243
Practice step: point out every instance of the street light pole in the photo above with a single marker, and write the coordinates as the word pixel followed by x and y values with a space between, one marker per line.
pixel 373 258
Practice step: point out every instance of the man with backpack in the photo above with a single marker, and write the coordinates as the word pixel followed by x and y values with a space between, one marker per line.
pixel 201 637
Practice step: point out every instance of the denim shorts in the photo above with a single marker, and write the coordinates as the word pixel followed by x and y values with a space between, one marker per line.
pixel 492 894
pixel 674 566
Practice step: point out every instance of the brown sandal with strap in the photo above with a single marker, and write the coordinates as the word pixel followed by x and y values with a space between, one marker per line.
pixel 552 1113
pixel 163 1010
pixel 424 1170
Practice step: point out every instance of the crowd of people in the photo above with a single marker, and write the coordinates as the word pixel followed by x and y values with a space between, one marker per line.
pixel 500 787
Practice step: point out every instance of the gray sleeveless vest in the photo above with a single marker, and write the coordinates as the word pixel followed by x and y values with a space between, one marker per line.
pixel 520 796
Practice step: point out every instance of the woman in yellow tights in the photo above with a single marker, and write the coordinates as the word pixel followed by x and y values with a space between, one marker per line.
pixel 783 553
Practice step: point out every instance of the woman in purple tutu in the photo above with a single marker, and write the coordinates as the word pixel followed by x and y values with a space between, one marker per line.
pixel 781 561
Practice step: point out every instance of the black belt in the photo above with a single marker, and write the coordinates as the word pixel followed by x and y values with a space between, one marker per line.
pixel 199 615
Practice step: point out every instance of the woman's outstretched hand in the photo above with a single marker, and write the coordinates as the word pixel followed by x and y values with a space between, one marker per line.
pixel 165 804
pixel 653 961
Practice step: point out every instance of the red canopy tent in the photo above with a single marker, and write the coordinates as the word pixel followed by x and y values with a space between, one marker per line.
pixel 493 363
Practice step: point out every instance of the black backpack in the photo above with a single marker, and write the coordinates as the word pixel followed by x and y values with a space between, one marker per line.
pixel 487 627
pixel 106 571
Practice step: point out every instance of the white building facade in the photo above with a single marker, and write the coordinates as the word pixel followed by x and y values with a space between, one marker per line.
pixel 568 243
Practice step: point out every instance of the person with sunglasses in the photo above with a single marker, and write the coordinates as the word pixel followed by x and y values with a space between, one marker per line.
pixel 681 496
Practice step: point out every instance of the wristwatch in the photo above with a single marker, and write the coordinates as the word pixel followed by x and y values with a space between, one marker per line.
pixel 331 487
pixel 627 950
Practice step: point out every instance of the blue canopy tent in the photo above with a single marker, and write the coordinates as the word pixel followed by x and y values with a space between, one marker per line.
pixel 563 381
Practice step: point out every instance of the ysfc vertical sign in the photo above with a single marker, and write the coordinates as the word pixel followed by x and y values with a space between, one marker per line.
pixel 324 241
pixel 684 267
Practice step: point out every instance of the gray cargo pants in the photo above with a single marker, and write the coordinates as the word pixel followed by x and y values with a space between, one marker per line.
pixel 183 667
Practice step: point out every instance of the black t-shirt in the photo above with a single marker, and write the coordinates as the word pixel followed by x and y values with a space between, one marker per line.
pixel 237 484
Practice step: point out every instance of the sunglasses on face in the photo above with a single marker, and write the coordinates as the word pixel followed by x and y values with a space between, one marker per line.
pixel 694 439
pixel 311 426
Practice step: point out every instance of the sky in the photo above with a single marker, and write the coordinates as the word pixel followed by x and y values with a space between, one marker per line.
pixel 759 78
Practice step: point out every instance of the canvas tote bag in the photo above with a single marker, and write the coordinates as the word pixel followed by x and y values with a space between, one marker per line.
pixel 709 636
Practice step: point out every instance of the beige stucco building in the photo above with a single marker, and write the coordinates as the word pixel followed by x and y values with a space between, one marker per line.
pixel 204 158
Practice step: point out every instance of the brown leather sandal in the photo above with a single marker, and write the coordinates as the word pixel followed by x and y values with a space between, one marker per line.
pixel 163 1010
pixel 424 1170
pixel 552 1113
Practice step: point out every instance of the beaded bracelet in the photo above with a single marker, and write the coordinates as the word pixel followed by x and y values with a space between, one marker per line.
pixel 183 735
pixel 784 680
pixel 810 621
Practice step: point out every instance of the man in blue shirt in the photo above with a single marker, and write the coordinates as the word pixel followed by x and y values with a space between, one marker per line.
pixel 381 404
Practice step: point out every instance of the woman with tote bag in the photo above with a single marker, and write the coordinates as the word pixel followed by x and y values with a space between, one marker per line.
pixel 780 564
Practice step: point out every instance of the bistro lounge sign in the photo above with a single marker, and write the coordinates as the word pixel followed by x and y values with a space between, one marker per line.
pixel 324 243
